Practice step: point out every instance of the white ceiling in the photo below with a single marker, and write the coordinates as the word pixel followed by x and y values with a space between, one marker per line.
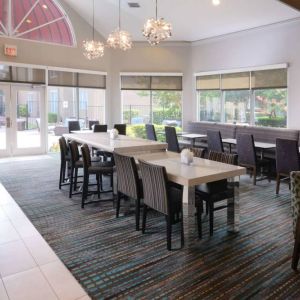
pixel 192 20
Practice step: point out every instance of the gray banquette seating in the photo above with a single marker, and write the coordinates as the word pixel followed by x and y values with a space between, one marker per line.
pixel 260 134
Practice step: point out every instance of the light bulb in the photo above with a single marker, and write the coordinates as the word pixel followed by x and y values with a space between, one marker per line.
pixel 216 2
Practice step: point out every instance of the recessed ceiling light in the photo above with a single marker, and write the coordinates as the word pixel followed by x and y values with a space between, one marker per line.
pixel 45 6
pixel 28 21
pixel 216 2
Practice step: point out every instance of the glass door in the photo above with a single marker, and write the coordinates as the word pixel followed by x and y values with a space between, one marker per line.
pixel 5 120
pixel 27 114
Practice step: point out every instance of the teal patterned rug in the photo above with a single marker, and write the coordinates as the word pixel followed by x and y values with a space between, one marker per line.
pixel 111 260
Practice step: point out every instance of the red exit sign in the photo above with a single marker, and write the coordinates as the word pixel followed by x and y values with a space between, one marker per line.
pixel 10 50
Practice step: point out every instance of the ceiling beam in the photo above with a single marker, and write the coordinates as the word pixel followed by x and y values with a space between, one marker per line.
pixel 293 3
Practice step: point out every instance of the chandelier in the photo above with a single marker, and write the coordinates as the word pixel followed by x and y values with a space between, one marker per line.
pixel 119 39
pixel 93 49
pixel 157 30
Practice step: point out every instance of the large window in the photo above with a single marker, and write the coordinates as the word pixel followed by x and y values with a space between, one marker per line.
pixel 251 98
pixel 151 99
pixel 73 96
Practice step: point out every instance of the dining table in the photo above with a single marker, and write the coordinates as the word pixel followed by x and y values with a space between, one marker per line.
pixel 200 171
pixel 193 137
pixel 262 146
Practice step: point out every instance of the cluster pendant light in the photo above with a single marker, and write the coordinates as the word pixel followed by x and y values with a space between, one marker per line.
pixel 93 49
pixel 119 39
pixel 157 30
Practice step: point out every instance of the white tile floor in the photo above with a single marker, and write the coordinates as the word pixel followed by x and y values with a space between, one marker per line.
pixel 29 269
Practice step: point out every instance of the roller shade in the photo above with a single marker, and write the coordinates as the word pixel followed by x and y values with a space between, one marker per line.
pixel 276 78
pixel 173 83
pixel 210 82
pixel 22 74
pixel 74 79
pixel 235 81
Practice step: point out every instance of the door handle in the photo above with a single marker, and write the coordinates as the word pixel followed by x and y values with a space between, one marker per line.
pixel 8 122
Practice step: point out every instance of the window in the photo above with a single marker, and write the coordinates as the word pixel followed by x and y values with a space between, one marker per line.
pixel 209 103
pixel 151 99
pixel 250 98
pixel 73 96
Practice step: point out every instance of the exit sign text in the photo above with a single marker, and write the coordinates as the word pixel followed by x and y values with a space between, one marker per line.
pixel 10 50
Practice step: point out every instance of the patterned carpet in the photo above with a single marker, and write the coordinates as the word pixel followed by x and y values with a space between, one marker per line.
pixel 111 260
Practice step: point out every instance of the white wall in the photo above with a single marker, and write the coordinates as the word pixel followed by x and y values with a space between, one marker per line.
pixel 270 45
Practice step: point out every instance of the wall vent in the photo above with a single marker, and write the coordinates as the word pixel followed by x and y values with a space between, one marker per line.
pixel 133 4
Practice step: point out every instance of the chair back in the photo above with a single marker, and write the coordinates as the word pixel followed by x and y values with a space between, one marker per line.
pixel 246 150
pixel 100 128
pixel 226 158
pixel 73 125
pixel 74 152
pixel 121 128
pixel 150 132
pixel 214 141
pixel 92 123
pixel 155 186
pixel 63 148
pixel 127 174
pixel 295 197
pixel 287 156
pixel 171 139
pixel 198 152
pixel 86 157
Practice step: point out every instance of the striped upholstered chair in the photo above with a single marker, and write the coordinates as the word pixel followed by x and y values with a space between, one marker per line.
pixel 295 197
pixel 128 184
pixel 213 192
pixel 162 196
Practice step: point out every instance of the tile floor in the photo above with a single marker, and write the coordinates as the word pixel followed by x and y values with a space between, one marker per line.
pixel 29 269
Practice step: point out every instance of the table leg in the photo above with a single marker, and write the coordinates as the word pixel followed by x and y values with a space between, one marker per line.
pixel 189 212
pixel 233 210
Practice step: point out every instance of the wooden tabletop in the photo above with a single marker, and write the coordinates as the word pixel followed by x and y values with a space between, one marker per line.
pixel 123 143
pixel 260 145
pixel 200 171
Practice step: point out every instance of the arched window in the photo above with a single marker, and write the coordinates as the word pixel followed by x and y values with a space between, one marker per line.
pixel 37 20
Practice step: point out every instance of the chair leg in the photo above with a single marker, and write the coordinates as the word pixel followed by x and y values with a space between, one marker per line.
pixel 169 232
pixel 118 204
pixel 85 188
pixel 61 175
pixel 71 182
pixel 254 176
pixel 211 218
pixel 182 228
pixel 145 209
pixel 98 185
pixel 277 183
pixel 137 214
pixel 296 251
pixel 75 179
pixel 199 221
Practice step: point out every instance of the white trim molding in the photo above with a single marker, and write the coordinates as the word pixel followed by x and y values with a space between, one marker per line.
pixel 149 74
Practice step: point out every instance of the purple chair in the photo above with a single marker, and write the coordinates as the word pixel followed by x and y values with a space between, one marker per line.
pixel 247 156
pixel 214 141
pixel 287 159
pixel 171 139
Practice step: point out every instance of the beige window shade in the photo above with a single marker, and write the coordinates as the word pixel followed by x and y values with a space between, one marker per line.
pixel 91 80
pixel 61 78
pixel 135 82
pixel 235 81
pixel 276 78
pixel 209 82
pixel 166 83
pixel 20 74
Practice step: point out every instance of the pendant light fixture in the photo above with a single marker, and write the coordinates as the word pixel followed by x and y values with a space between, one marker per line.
pixel 157 30
pixel 119 39
pixel 93 49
